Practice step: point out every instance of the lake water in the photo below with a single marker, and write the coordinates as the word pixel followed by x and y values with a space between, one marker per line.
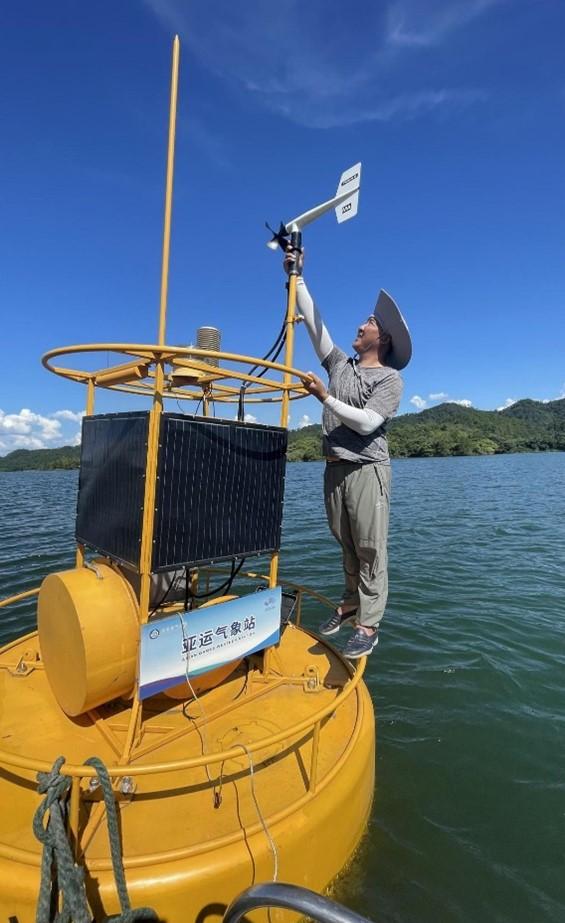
pixel 468 679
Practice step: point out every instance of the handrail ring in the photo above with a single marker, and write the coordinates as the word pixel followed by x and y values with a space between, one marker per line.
pixel 187 372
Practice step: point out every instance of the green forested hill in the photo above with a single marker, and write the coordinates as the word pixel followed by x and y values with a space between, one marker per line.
pixel 449 429
pixel 41 459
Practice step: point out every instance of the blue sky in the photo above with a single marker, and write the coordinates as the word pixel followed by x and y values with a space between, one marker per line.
pixel 456 110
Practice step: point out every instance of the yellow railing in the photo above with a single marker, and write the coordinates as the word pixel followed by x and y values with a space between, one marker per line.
pixel 139 376
pixel 17 761
pixel 312 723
pixel 15 599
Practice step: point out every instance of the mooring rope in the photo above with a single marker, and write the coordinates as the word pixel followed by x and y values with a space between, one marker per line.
pixel 127 915
pixel 59 871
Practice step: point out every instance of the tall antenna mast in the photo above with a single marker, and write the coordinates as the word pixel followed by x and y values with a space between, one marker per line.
pixel 146 549
pixel 169 192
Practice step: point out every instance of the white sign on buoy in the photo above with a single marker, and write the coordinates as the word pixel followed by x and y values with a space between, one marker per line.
pixel 190 643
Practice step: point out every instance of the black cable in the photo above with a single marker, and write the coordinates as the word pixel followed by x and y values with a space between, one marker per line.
pixel 224 586
pixel 277 348
pixel 281 336
pixel 272 359
pixel 165 594
pixel 186 590
pixel 242 390
pixel 241 405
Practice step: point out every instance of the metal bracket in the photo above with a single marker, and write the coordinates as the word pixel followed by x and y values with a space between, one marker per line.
pixel 309 680
pixel 26 664
pixel 312 679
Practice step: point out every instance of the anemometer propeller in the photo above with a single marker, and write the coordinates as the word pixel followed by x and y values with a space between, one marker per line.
pixel 345 203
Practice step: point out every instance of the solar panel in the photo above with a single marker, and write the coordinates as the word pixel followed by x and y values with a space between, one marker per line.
pixel 219 491
pixel 112 484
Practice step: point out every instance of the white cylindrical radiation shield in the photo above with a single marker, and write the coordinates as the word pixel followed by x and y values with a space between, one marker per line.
pixel 209 338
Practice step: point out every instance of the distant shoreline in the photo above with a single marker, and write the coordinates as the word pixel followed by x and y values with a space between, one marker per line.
pixel 13 470
pixel 450 430
pixel 445 431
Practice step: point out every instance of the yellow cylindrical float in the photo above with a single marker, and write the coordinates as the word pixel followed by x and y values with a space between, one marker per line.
pixel 89 635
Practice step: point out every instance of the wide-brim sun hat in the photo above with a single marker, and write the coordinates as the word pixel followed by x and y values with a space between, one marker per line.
pixel 390 319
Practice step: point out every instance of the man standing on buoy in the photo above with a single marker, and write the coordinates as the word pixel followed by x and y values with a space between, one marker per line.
pixel 362 395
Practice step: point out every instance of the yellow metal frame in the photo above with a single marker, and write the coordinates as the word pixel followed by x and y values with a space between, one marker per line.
pixel 141 375
pixel 149 371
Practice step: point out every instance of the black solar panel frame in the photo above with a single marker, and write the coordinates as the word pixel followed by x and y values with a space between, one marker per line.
pixel 220 490
pixel 112 482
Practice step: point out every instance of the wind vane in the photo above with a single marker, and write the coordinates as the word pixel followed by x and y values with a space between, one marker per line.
pixel 345 203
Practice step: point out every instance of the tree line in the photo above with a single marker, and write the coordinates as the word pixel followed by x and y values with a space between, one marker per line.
pixel 448 429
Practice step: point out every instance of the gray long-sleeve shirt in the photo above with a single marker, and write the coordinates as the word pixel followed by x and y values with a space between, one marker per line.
pixel 377 389
pixel 362 399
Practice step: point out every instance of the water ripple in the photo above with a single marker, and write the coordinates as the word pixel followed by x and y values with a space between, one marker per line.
pixel 469 818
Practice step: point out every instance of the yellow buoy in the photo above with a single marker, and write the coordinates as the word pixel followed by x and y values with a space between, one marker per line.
pixel 266 773
pixel 261 776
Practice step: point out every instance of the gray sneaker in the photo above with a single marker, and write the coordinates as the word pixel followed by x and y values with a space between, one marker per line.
pixel 335 622
pixel 360 644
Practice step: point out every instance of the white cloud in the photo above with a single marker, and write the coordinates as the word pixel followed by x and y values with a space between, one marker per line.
pixel 29 430
pixel 404 106
pixel 463 403
pixel 423 24
pixel 304 421
pixel 559 397
pixel 26 442
pixel 318 75
pixel 249 418
pixel 418 402
pixel 76 417
pixel 25 422
pixel 438 396
pixel 507 403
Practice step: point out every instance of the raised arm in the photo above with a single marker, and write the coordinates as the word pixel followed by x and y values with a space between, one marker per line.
pixel 317 330
pixel 362 421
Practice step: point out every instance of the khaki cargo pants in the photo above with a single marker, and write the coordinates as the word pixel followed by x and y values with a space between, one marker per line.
pixel 357 499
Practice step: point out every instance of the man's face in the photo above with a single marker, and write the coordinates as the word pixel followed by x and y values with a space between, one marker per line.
pixel 368 335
